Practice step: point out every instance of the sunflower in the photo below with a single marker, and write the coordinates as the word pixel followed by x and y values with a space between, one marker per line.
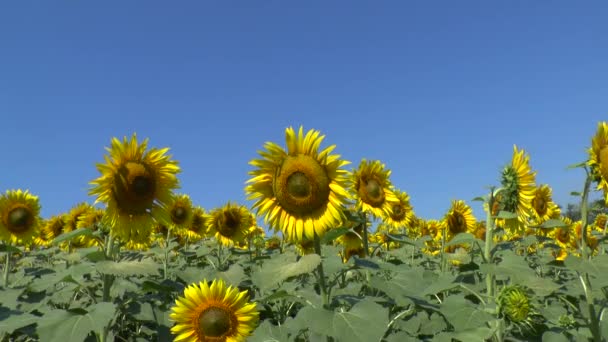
pixel 50 229
pixel 72 220
pixel 351 245
pixel 136 185
pixel 459 219
pixel 181 212
pixel 305 246
pixel 600 223
pixel 19 217
pixel 198 225
pixel 543 207
pixel 381 236
pixel 516 306
pixel 213 313
pixel 230 224
pixel 564 237
pixel 372 187
pixel 300 191
pixel 273 242
pixel 518 182
pixel 401 212
pixel 480 230
pixel 598 158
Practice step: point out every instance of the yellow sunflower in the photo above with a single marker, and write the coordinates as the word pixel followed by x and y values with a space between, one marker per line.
pixel 518 182
pixel 459 219
pixel 273 242
pixel 213 313
pixel 300 191
pixel 19 217
pixel 136 185
pixel 72 222
pixel 305 246
pixel 351 245
pixel 181 213
pixel 230 224
pixel 50 229
pixel 600 223
pixel 401 213
pixel 198 226
pixel 381 236
pixel 543 207
pixel 598 158
pixel 372 188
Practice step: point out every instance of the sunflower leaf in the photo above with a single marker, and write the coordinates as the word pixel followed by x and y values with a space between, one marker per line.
pixel 507 215
pixel 575 193
pixel 461 238
pixel 71 235
pixel 333 234
pixel 127 268
pixel 479 198
pixel 61 325
pixel 553 223
pixel 277 270
pixel 9 248
pixel 577 165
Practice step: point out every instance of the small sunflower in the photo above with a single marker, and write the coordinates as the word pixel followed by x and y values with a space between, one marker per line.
pixel 300 191
pixel 72 222
pixel 213 313
pixel 273 242
pixel 459 219
pixel 515 304
pixel 381 236
pixel 372 187
pixel 480 230
pixel 598 158
pixel 198 225
pixel 181 213
pixel 50 229
pixel 19 217
pixel 401 212
pixel 136 185
pixel 351 245
pixel 518 182
pixel 543 207
pixel 600 223
pixel 230 224
pixel 305 246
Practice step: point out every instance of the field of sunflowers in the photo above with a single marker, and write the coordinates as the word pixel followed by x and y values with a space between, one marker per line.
pixel 341 256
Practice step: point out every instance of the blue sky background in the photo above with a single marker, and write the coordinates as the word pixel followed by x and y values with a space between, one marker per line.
pixel 437 90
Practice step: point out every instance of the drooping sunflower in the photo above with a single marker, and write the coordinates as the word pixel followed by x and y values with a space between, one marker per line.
pixel 230 224
pixel 518 182
pixel 305 247
pixel 351 245
pixel 516 306
pixel 543 207
pixel 213 313
pixel 459 219
pixel 19 217
pixel 273 242
pixel 300 191
pixel 372 189
pixel 401 213
pixel 136 185
pixel 598 158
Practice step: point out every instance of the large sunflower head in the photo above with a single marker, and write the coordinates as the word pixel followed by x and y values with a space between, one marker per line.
pixel 19 217
pixel 300 191
pixel 372 188
pixel 401 211
pixel 230 224
pixel 136 185
pixel 459 219
pixel 543 207
pixel 518 182
pixel 598 158
pixel 213 313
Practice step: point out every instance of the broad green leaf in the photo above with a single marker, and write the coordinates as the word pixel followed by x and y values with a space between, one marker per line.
pixel 462 238
pixel 233 276
pixel 553 223
pixel 267 332
pixel 577 165
pixel 506 215
pixel 476 334
pixel 552 336
pixel 479 198
pixel 61 325
pixel 273 273
pixel 128 267
pixel 333 234
pixel 462 314
pixel 366 322
pixel 15 320
pixel 401 337
pixel 9 248
pixel 71 235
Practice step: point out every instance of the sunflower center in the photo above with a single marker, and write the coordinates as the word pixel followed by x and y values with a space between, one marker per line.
pixel 604 162
pixel 230 224
pixel 371 192
pixel 215 322
pixel 301 185
pixel 179 215
pixel 19 219
pixel 457 223
pixel 540 205
pixel 134 188
pixel 398 212
pixel 563 235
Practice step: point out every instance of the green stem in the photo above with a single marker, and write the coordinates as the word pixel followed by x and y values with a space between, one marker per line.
pixel 585 216
pixel 443 261
pixel 365 242
pixel 7 265
pixel 322 285
pixel 594 323
pixel 108 279
pixel 489 240
pixel 166 261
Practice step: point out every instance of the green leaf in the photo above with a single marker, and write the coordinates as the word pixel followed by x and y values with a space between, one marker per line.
pixel 266 332
pixel 16 321
pixel 577 165
pixel 478 198
pixel 463 315
pixel 61 325
pixel 575 193
pixel 462 238
pixel 127 267
pixel 276 270
pixel 333 234
pixel 9 248
pixel 553 223
pixel 552 336
pixel 71 235
pixel 507 215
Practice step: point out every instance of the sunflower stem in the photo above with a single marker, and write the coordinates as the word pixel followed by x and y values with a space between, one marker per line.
pixel 166 260
pixel 443 259
pixel 365 242
pixel 488 245
pixel 107 278
pixel 585 215
pixel 7 266
pixel 322 285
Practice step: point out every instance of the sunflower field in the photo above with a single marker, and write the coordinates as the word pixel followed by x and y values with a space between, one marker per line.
pixel 341 256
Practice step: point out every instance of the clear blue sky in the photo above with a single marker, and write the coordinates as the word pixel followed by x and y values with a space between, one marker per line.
pixel 438 90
